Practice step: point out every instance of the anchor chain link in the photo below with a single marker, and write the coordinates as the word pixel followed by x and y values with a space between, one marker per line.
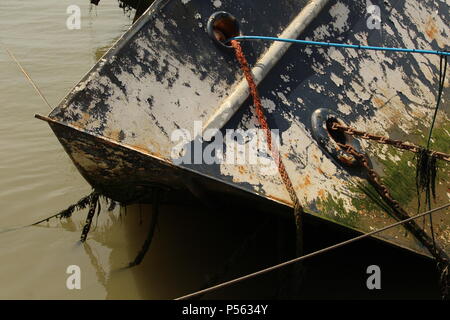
pixel 385 140
pixel 438 253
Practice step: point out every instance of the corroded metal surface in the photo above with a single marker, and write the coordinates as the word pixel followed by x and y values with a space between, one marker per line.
pixel 165 73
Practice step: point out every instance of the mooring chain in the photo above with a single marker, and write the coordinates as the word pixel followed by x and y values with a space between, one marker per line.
pixel 385 193
pixel 375 180
pixel 385 140
pixel 373 176
pixel 298 210
pixel 87 226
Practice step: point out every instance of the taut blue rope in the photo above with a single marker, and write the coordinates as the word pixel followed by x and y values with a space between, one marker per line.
pixel 340 45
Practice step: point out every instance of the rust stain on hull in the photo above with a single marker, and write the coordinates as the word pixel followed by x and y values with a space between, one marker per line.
pixel 431 30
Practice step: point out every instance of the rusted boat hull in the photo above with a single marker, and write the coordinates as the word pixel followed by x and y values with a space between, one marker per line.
pixel 166 73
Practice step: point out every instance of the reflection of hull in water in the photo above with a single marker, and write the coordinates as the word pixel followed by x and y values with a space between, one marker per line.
pixel 166 73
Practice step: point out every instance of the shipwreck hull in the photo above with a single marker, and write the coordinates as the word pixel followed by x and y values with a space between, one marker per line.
pixel 166 73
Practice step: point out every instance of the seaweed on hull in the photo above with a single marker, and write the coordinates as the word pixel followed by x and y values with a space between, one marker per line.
pixel 128 5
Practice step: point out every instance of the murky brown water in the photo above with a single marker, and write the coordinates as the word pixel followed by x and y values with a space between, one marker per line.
pixel 37 177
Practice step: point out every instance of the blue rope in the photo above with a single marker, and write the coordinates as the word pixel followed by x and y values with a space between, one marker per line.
pixel 340 45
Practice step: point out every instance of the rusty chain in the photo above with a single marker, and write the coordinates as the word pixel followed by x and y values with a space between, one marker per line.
pixel 298 210
pixel 87 226
pixel 438 253
pixel 385 140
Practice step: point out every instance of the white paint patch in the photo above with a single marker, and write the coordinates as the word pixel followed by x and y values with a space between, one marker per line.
pixel 268 105
pixel 340 13
pixel 285 78
pixel 283 98
pixel 308 51
pixel 217 3
pixel 317 87
pixel 345 109
pixel 321 33
pixel 338 81
pixel 160 26
pixel 317 178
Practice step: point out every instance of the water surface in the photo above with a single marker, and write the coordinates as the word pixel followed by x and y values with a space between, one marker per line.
pixel 38 179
